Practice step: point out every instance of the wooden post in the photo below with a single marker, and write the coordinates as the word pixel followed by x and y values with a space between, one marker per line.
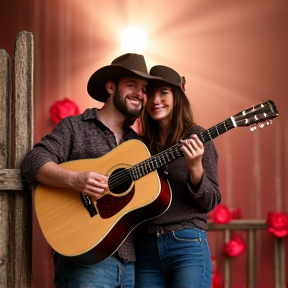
pixel 16 139
pixel 5 96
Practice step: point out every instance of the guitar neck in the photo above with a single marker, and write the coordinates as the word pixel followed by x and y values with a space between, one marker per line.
pixel 143 168
pixel 217 130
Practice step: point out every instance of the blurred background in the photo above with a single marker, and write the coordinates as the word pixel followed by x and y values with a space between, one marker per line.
pixel 234 54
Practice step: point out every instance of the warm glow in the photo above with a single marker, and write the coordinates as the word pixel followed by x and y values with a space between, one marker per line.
pixel 134 40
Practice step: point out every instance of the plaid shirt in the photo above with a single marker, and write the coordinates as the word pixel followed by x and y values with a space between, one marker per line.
pixel 76 137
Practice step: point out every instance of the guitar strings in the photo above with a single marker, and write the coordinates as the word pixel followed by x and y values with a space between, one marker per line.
pixel 118 178
pixel 122 176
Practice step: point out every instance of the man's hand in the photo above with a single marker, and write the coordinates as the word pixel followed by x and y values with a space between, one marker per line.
pixel 90 184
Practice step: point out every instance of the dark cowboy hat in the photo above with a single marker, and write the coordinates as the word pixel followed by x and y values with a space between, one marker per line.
pixel 125 65
pixel 168 76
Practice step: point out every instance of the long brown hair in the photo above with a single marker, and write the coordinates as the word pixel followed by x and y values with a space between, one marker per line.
pixel 182 120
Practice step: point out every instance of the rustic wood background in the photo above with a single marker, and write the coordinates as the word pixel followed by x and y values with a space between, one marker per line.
pixel 16 138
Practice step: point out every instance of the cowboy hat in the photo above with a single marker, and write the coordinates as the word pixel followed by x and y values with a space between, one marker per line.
pixel 168 76
pixel 125 65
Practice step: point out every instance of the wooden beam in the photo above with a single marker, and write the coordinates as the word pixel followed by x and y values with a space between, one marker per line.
pixel 5 149
pixel 10 179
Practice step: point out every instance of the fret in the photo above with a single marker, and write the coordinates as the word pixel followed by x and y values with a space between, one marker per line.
pixel 209 134
pixel 216 130
pixel 216 127
pixel 153 163
pixel 225 126
pixel 143 168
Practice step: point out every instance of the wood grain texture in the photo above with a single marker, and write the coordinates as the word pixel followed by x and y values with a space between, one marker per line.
pixel 10 179
pixel 5 98
pixel 15 142
pixel 20 250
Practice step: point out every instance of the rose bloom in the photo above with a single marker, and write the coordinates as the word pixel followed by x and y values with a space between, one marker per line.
pixel 235 246
pixel 216 280
pixel 220 214
pixel 216 277
pixel 62 109
pixel 277 224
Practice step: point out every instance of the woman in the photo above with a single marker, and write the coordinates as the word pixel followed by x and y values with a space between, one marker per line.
pixel 172 249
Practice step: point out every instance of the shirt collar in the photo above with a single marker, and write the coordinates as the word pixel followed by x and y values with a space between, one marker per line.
pixel 90 113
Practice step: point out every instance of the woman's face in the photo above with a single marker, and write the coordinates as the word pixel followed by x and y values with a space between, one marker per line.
pixel 160 104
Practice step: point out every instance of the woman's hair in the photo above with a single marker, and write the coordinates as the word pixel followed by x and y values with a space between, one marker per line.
pixel 182 120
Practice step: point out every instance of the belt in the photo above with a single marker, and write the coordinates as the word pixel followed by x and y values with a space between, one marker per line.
pixel 162 230
pixel 117 256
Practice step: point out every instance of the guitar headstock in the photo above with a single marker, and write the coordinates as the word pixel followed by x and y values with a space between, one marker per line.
pixel 260 114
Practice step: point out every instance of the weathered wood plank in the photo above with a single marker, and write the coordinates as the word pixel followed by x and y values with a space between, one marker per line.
pixel 241 224
pixel 10 179
pixel 20 221
pixel 5 99
pixel 5 143
pixel 23 117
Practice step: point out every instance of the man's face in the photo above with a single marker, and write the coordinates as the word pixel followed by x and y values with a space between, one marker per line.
pixel 130 96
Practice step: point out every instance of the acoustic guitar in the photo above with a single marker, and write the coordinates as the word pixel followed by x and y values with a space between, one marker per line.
pixel 89 232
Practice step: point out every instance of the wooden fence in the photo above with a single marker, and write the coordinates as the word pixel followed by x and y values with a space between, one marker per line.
pixel 251 227
pixel 16 138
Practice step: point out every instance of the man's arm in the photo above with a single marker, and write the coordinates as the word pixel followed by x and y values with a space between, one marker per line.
pixel 89 183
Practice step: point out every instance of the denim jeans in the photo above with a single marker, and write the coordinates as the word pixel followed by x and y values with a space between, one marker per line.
pixel 175 259
pixel 110 273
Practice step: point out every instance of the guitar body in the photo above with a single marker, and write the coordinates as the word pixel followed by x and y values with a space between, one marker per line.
pixel 88 238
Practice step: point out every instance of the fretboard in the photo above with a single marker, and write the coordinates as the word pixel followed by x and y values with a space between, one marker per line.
pixel 157 161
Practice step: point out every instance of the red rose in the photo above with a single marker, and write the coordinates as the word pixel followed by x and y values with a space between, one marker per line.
pixel 216 280
pixel 62 109
pixel 220 214
pixel 277 224
pixel 235 246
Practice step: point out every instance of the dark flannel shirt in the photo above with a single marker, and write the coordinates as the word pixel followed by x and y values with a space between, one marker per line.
pixel 76 137
pixel 190 203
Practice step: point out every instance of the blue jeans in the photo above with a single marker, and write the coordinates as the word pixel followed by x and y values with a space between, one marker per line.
pixel 175 259
pixel 110 273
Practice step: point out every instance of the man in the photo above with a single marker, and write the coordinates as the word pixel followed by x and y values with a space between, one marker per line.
pixel 122 86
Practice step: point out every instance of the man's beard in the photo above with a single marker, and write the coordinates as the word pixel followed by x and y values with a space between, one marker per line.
pixel 122 106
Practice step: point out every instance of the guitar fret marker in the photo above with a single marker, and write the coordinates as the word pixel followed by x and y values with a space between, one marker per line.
pixel 217 130
pixel 208 132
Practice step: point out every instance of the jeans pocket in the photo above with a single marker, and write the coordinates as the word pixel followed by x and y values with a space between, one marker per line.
pixel 187 235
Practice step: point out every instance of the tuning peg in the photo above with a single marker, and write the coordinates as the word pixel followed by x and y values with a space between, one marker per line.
pixel 269 122
pixel 253 128
pixel 261 125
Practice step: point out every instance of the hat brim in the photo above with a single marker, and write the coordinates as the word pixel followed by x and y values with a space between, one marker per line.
pixel 163 82
pixel 96 86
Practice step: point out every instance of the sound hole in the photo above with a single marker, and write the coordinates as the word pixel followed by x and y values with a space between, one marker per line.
pixel 119 181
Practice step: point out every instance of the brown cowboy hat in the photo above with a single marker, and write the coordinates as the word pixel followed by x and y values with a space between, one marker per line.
pixel 125 65
pixel 168 76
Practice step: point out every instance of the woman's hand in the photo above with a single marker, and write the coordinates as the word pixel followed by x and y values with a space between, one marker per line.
pixel 193 150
